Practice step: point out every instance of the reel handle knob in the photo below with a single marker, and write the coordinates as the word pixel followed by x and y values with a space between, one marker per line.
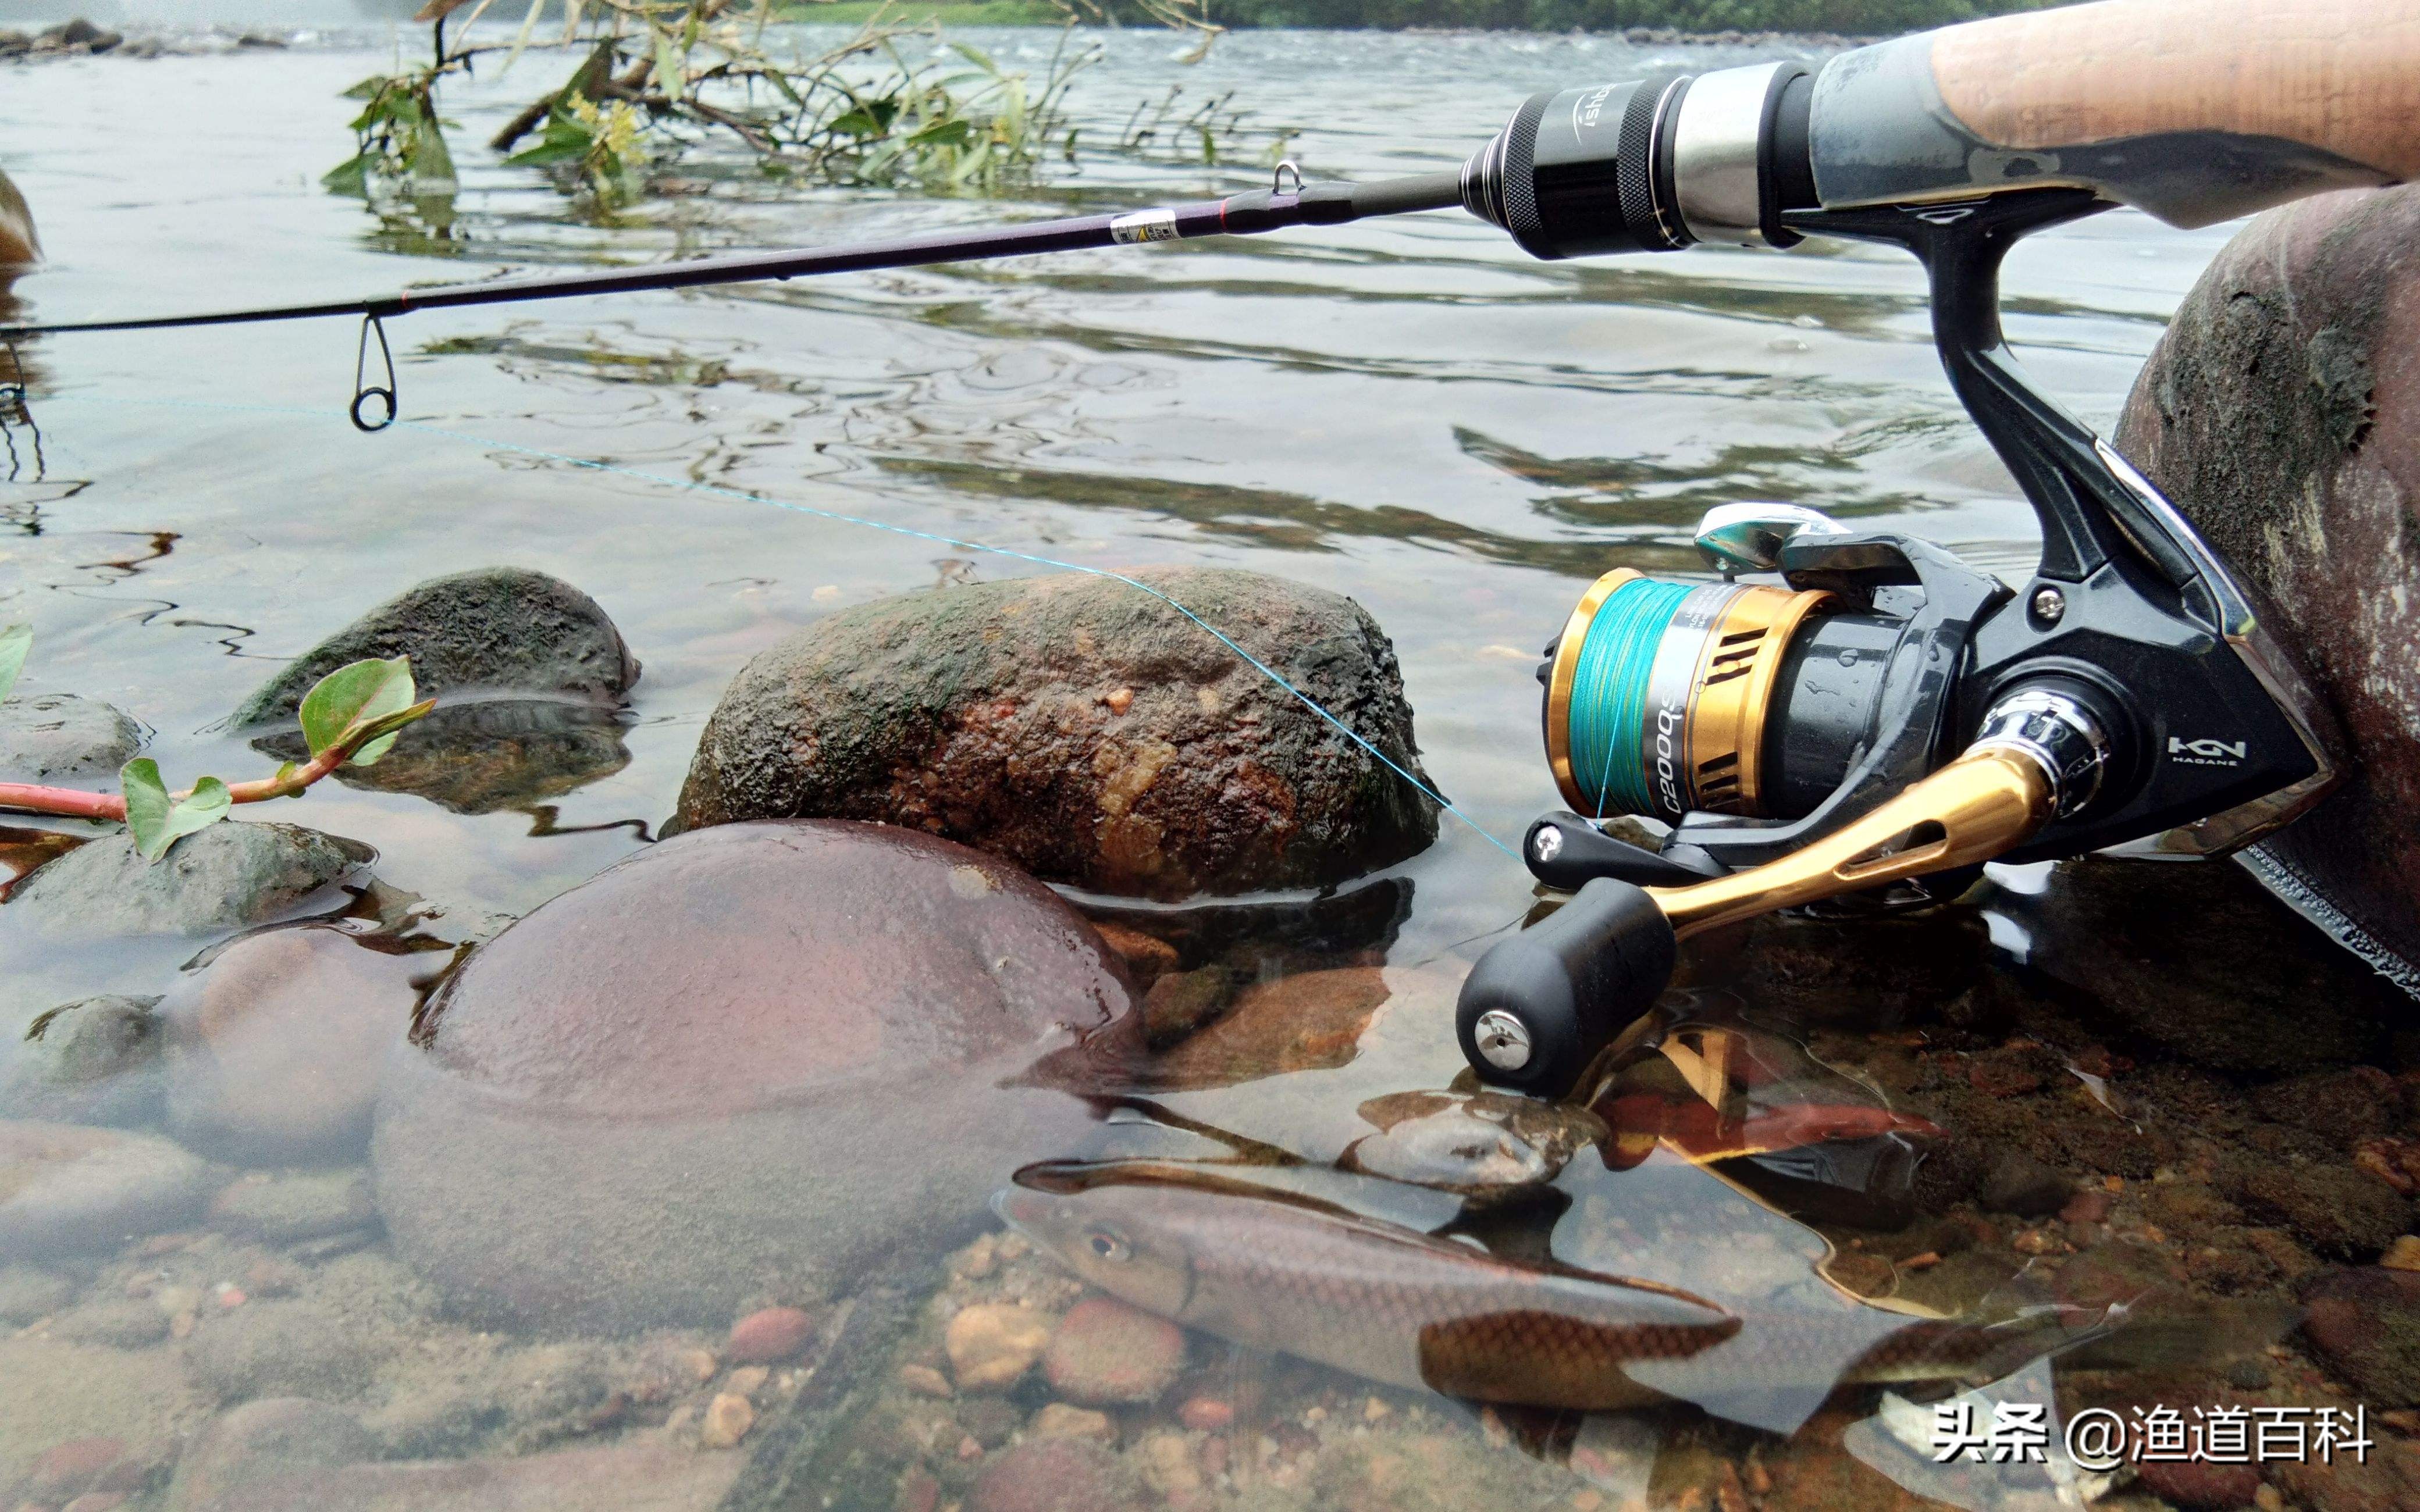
pixel 1538 1007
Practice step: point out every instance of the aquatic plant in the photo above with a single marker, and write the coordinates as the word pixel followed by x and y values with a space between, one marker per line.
pixel 660 77
pixel 350 719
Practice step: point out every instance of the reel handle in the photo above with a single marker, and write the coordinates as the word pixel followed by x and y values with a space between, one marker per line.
pixel 1538 1008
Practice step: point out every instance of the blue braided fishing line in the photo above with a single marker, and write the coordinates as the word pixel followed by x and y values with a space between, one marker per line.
pixel 694 485
pixel 1608 706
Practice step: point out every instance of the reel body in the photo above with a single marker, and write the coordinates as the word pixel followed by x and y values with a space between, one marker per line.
pixel 1866 711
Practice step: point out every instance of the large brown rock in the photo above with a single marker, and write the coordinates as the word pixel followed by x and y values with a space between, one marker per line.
pixel 2281 413
pixel 1086 731
pixel 751 1062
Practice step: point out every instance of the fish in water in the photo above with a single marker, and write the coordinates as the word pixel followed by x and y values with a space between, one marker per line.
pixel 1397 1305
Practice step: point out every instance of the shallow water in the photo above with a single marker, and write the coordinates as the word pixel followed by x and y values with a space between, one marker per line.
pixel 1411 412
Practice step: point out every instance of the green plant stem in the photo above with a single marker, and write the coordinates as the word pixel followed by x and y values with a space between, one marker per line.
pixel 72 803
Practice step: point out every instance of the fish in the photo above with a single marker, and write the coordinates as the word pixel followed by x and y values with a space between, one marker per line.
pixel 1405 1308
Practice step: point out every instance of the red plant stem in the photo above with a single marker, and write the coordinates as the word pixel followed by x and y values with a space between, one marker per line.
pixel 71 803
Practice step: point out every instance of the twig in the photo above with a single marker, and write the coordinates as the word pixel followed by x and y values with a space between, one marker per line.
pixel 70 803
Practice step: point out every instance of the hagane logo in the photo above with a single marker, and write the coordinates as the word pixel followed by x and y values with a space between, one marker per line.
pixel 2207 753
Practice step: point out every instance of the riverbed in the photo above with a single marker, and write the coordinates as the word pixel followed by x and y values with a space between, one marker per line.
pixel 1411 412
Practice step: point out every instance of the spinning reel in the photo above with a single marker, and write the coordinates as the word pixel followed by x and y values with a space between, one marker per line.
pixel 1846 711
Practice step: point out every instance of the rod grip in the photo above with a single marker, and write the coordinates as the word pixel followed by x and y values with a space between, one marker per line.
pixel 1567 985
pixel 2194 111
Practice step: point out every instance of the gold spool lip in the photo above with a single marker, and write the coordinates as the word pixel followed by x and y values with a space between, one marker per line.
pixel 1756 700
pixel 1565 670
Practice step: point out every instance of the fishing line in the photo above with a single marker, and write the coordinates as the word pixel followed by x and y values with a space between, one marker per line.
pixel 694 485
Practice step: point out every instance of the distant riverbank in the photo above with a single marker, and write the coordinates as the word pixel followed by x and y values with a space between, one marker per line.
pixel 1657 21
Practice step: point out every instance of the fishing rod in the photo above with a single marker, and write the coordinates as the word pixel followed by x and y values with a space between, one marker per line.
pixel 1844 712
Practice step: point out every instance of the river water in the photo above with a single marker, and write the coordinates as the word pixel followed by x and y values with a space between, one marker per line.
pixel 1412 413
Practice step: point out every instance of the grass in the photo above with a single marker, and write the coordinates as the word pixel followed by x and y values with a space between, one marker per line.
pixel 921 12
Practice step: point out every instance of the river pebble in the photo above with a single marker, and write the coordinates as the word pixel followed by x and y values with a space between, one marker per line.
pixel 1060 1474
pixel 64 740
pixel 987 713
pixel 28 1295
pixel 769 1334
pixel 600 1125
pixel 68 1187
pixel 288 1206
pixel 1059 1420
pixel 1105 1352
pixel 727 1420
pixel 273 1047
pixel 2365 1322
pixel 992 1345
pixel 230 876
pixel 95 1060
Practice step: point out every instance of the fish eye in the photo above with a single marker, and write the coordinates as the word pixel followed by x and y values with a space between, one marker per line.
pixel 1108 1245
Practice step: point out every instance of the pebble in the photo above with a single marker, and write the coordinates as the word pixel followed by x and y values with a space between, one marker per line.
pixel 2200 1487
pixel 1168 1465
pixel 2403 1255
pixel 1053 1475
pixel 1148 958
pixel 66 1188
pixel 1207 1415
pixel 1059 1420
pixel 28 1296
pixel 290 1207
pixel 747 1379
pixel 769 1336
pixel 1106 1351
pixel 925 1381
pixel 124 1323
pixel 728 1418
pixel 96 1060
pixel 74 1466
pixel 991 1345
pixel 274 1047
pixel 2365 1325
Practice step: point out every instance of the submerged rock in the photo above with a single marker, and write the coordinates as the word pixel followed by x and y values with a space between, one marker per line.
pixel 1086 731
pixel 224 878
pixel 495 628
pixel 66 1188
pixel 19 245
pixel 95 1060
pixel 749 1062
pixel 273 1048
pixel 488 754
pixel 61 738
pixel 2277 413
pixel 2365 1324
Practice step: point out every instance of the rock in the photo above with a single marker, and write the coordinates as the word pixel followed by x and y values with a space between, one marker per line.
pixel 66 1188
pixel 225 877
pixel 1147 957
pixel 2403 1255
pixel 1107 1353
pixel 991 1345
pixel 1057 1420
pixel 728 1418
pixel 19 245
pixel 1181 1003
pixel 2200 1485
pixel 749 1062
pixel 53 1392
pixel 301 1456
pixel 2274 413
pixel 769 1334
pixel 987 713
pixel 70 1469
pixel 1311 1021
pixel 1055 1476
pixel 2249 987
pixel 2018 1183
pixel 273 1048
pixel 28 1296
pixel 296 1348
pixel 1206 1414
pixel 2336 1209
pixel 95 1060
pixel 121 1322
pixel 293 1206
pixel 2350 1105
pixel 491 629
pixel 1485 1147
pixel 59 739
pixel 2364 1323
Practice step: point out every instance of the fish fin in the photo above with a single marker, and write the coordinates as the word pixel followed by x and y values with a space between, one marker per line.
pixel 1550 1359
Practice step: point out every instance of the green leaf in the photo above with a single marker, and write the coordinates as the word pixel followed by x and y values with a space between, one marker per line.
pixel 155 820
pixel 14 643
pixel 359 693
pixel 942 133
pixel 351 176
pixel 669 77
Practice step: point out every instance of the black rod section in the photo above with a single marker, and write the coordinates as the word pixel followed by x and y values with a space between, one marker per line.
pixel 1320 204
